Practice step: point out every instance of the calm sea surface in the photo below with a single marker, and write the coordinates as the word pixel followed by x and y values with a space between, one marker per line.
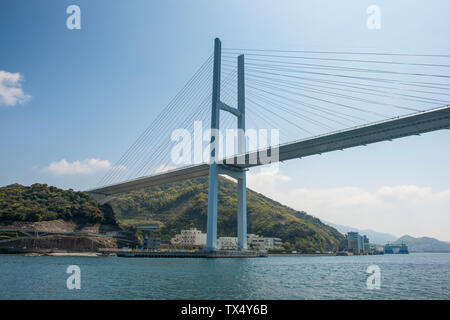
pixel 413 276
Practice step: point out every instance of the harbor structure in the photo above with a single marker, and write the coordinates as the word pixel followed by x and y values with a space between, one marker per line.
pixel 396 248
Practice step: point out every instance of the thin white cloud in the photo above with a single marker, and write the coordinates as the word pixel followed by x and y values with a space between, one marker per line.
pixel 83 167
pixel 404 209
pixel 264 177
pixel 11 92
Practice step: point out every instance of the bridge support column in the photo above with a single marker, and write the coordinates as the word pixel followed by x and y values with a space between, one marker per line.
pixel 211 231
pixel 215 169
pixel 242 213
pixel 242 182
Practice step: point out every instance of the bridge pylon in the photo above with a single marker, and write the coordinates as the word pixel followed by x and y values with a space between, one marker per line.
pixel 217 168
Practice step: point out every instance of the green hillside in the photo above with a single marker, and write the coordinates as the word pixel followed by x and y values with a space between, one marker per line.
pixel 173 207
pixel 40 202
pixel 182 205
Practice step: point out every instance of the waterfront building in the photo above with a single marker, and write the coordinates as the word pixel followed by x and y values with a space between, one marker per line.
pixel 259 243
pixel 151 243
pixel 357 243
pixel 189 238
pixel 366 244
pixel 227 243
pixel 254 242
pixel 353 242
pixel 195 238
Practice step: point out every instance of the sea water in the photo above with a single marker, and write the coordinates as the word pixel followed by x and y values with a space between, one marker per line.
pixel 412 276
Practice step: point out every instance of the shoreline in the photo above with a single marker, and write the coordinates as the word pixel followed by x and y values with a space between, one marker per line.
pixel 301 255
pixel 73 254
pixel 51 253
pixel 63 254
pixel 102 254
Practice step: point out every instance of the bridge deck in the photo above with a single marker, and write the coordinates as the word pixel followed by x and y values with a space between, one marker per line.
pixel 414 124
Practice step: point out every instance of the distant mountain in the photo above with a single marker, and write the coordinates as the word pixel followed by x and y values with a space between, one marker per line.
pixel 424 244
pixel 374 236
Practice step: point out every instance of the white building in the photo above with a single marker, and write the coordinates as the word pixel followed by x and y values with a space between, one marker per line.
pixel 227 243
pixel 189 238
pixel 257 242
pixel 254 242
pixel 195 238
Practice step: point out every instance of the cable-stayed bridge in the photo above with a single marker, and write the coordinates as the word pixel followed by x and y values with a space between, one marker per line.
pixel 318 101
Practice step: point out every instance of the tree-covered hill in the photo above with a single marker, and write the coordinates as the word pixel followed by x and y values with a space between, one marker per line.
pixel 182 205
pixel 173 207
pixel 40 202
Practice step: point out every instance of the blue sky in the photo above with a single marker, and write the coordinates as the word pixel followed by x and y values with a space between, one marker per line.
pixel 89 93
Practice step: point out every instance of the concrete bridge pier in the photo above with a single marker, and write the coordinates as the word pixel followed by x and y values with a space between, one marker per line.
pixel 215 168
